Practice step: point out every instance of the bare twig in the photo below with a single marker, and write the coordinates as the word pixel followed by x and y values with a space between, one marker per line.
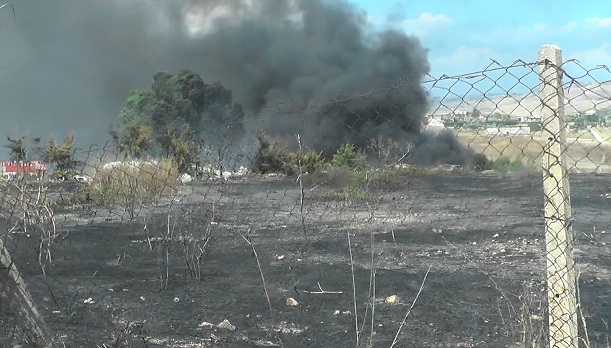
pixel 356 316
pixel 372 287
pixel 12 8
pixel 396 339
pixel 301 190
pixel 33 213
pixel 407 153
pixel 586 338
pixel 322 291
pixel 254 251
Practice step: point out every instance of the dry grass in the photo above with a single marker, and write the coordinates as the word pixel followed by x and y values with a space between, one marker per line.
pixel 584 152
pixel 131 184
pixel 496 146
pixel 26 208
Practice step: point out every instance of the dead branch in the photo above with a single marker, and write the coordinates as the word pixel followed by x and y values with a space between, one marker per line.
pixel 321 291
pixel 254 251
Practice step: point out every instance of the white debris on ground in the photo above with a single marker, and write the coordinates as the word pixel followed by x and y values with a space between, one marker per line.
pixel 185 178
pixel 83 179
pixel 291 302
pixel 226 325
pixel 287 328
pixel 210 172
pixel 205 324
pixel 392 300
pixel 213 173
pixel 130 164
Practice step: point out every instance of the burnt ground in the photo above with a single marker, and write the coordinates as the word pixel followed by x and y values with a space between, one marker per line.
pixel 480 236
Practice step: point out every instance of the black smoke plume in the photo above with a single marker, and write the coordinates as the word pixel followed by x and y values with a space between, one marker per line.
pixel 308 67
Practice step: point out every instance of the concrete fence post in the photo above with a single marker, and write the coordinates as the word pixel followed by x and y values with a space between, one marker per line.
pixel 561 287
pixel 15 291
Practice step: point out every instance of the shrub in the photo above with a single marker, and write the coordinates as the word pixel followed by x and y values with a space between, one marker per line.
pixel 348 156
pixel 354 188
pixel 304 162
pixel 502 164
pixel 130 184
pixel 274 157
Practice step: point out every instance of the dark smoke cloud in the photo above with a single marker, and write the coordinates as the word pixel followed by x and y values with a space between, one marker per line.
pixel 71 64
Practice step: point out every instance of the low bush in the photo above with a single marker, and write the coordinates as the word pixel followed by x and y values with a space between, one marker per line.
pixel 304 162
pixel 130 184
pixel 502 164
pixel 342 183
pixel 274 157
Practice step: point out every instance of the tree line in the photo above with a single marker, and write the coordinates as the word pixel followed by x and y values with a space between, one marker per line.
pixel 177 118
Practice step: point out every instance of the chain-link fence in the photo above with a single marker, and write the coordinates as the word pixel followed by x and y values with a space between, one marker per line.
pixel 418 214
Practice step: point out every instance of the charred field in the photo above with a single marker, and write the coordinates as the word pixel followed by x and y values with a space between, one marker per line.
pixel 466 249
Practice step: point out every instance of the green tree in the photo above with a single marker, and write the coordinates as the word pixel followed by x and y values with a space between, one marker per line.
pixel 183 153
pixel 178 112
pixel 61 156
pixel 133 141
pixel 475 113
pixel 138 108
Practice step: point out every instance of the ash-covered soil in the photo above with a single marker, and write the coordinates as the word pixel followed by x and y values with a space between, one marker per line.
pixel 480 237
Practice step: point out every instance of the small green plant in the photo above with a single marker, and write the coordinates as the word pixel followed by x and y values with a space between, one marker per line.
pixel 348 156
pixel 348 185
pixel 504 164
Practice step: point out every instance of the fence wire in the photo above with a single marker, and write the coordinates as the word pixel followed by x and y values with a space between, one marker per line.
pixel 428 214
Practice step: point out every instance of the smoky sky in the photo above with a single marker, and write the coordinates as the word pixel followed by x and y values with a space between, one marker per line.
pixel 69 65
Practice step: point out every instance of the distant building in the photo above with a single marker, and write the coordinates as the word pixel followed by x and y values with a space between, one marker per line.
pixel 434 122
pixel 12 169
